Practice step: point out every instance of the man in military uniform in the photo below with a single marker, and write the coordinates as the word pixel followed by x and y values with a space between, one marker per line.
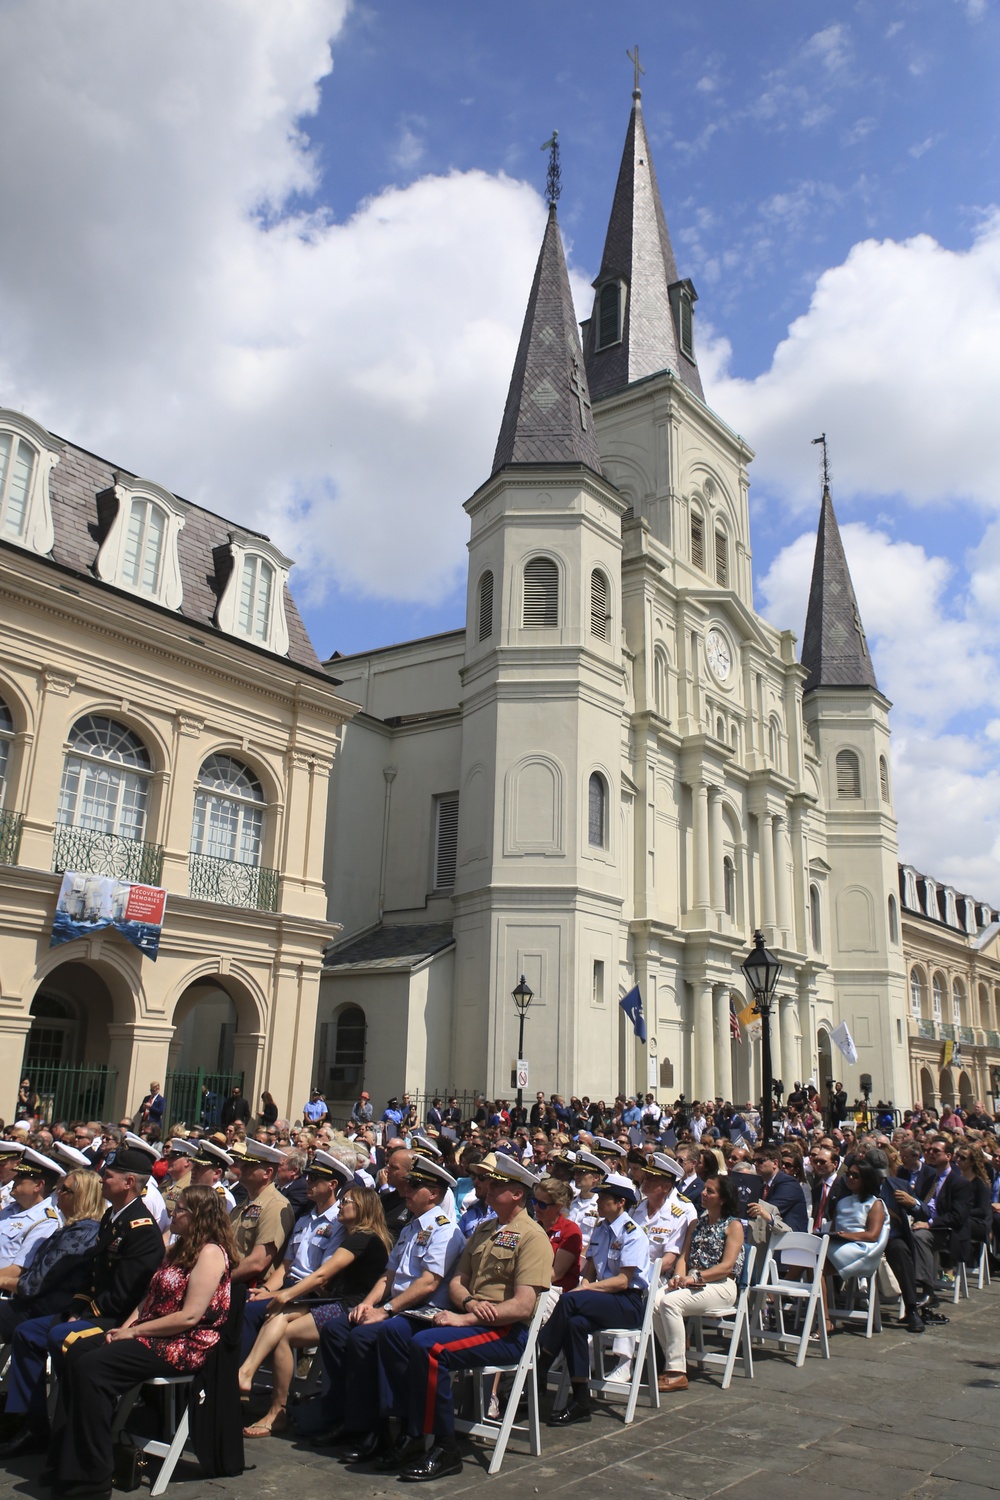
pixel 10 1154
pixel 502 1271
pixel 611 1154
pixel 664 1213
pixel 415 1277
pixel 313 1240
pixel 129 1249
pixel 611 1294
pixel 151 1195
pixel 29 1218
pixel 209 1165
pixel 263 1223
pixel 398 1162
pixel 180 1154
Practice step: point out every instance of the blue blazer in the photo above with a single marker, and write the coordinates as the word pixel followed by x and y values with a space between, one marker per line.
pixel 785 1195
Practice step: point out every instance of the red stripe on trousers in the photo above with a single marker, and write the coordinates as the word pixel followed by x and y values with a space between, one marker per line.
pixel 488 1336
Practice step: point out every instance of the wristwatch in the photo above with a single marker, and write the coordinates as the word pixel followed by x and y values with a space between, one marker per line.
pixel 387 1309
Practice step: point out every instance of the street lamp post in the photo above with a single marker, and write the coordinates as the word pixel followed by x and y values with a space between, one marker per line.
pixel 522 996
pixel 762 972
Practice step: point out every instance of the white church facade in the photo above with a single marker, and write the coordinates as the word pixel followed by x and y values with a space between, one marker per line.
pixel 618 770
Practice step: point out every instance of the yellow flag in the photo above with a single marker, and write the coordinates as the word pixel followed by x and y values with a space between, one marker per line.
pixel 947 1054
pixel 750 1021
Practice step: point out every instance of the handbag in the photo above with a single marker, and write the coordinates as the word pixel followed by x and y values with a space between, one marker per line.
pixel 129 1465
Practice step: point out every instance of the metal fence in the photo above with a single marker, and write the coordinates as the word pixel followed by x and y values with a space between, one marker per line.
pixel 73 1093
pixel 197 1097
pixel 11 824
pixel 106 854
pixel 231 883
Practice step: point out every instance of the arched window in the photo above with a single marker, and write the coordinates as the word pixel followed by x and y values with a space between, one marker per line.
pixel 721 559
pixel 17 471
pixel 6 736
pixel 985 1018
pixel 918 991
pixel 939 991
pixel 697 541
pixel 883 778
pixel 893 920
pixel 773 740
pixel 609 315
pixel 541 594
pixel 348 1066
pixel 600 613
pixel 729 886
pixel 597 812
pixel 228 812
pixel 848 774
pixel 957 1002
pixel 105 783
pixel 142 559
pixel 486 606
pixel 660 684
pixel 256 594
pixel 815 918
pixel 720 728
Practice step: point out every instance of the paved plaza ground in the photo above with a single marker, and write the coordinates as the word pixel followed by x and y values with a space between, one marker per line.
pixel 895 1416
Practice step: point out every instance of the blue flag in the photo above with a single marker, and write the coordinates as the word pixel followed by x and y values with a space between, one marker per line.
pixel 632 1006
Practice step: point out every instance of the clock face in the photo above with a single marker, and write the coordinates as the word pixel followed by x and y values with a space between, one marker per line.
pixel 720 656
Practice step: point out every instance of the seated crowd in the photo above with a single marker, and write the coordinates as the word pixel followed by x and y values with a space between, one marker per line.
pixel 403 1255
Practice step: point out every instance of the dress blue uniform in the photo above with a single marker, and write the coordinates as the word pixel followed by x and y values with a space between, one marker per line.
pixel 614 1248
pixel 314 1240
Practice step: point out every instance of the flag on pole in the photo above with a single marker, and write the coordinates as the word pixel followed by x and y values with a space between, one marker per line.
pixel 841 1037
pixel 735 1030
pixel 751 1022
pixel 632 1006
pixel 948 1054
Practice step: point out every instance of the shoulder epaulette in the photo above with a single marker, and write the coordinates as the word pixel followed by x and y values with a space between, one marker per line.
pixel 139 1223
pixel 442 1219
pixel 684 1197
pixel 629 1226
pixel 50 1213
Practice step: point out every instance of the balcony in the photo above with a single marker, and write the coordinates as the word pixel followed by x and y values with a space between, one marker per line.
pixel 967 1034
pixel 11 824
pixel 926 1029
pixel 232 884
pixel 106 854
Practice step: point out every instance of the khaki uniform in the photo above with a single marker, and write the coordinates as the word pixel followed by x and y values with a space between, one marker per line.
pixel 267 1220
pixel 501 1257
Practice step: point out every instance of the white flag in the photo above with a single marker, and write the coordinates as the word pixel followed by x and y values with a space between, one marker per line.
pixel 842 1038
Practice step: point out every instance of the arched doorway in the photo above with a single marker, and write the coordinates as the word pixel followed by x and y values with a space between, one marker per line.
pixel 66 1049
pixel 926 1089
pixel 947 1087
pixel 966 1098
pixel 825 1053
pixel 213 1030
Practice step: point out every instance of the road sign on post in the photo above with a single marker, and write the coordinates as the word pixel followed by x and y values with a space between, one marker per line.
pixel 522 1073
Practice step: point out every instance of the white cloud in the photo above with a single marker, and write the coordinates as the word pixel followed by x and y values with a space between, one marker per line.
pixel 340 385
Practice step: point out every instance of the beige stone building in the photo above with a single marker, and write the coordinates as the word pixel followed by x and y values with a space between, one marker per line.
pixel 164 720
pixel 951 944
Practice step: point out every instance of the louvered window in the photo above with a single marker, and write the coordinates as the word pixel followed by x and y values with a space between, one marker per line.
pixel 486 606
pixel 142 564
pixel 597 811
pixel 445 841
pixel 685 318
pixel 17 469
pixel 883 777
pixel 848 774
pixel 697 542
pixel 609 327
pixel 721 560
pixel 541 594
pixel 600 615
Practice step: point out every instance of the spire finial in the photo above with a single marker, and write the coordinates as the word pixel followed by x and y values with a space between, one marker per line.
pixel 633 57
pixel 553 178
pixel 826 459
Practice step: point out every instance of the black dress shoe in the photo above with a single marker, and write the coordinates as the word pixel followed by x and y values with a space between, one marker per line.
pixel 395 1456
pixel 437 1464
pixel 364 1449
pixel 933 1317
pixel 27 1440
pixel 574 1412
pixel 332 1437
pixel 913 1322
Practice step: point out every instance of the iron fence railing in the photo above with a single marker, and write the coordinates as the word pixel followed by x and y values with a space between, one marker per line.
pixel 967 1034
pixel 96 853
pixel 65 1092
pixel 195 1097
pixel 231 883
pixel 11 824
pixel 926 1029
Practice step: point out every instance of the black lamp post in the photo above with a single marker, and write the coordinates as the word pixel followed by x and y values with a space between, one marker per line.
pixel 762 971
pixel 522 996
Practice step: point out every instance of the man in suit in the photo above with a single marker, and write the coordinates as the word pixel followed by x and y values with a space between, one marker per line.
pixel 939 1208
pixel 781 1194
pixel 827 1185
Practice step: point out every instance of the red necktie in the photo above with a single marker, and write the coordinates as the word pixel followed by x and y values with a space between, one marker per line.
pixel 822 1204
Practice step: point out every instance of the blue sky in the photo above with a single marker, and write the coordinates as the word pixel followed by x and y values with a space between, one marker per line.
pixel 280 265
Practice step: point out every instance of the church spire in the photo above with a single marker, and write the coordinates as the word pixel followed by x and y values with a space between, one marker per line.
pixel 643 313
pixel 547 418
pixel 834 648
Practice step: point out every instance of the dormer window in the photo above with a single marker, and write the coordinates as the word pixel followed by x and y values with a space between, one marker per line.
pixel 609 315
pixel 27 456
pixel 682 300
pixel 139 550
pixel 252 603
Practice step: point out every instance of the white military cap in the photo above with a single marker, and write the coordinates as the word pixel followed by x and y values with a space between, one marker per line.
pixel 178 1146
pixel 602 1143
pixel 33 1162
pixel 428 1171
pixel 138 1144
pixel 506 1169
pixel 423 1143
pixel 72 1155
pixel 208 1154
pixel 659 1165
pixel 587 1162
pixel 258 1151
pixel 12 1148
pixel 329 1166
pixel 620 1186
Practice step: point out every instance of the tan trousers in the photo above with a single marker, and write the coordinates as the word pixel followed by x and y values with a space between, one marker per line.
pixel 673 1307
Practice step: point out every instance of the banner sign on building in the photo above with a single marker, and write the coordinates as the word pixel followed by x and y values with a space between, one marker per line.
pixel 89 902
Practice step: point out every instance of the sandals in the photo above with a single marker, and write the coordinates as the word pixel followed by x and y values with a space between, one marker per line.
pixel 259 1430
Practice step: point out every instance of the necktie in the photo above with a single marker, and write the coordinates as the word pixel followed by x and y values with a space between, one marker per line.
pixel 822 1204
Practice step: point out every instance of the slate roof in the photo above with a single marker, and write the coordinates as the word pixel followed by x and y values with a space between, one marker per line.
pixel 547 419
pixel 398 947
pixel 74 484
pixel 834 648
pixel 638 251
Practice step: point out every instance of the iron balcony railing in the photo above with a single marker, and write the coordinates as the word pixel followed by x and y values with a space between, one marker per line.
pixel 926 1029
pixel 11 824
pixel 106 854
pixel 232 884
pixel 967 1034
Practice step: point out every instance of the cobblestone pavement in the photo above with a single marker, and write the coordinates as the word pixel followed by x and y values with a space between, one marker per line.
pixel 895 1416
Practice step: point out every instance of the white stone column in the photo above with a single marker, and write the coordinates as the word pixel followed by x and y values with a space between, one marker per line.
pixel 807 1040
pixel 789 1043
pixel 766 823
pixel 716 883
pixel 723 1043
pixel 782 912
pixel 704 1041
pixel 702 884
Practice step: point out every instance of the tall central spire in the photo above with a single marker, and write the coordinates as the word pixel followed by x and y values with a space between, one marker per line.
pixel 649 328
pixel 834 647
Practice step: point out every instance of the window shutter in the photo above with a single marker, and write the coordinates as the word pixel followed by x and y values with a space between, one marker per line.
pixel 697 542
pixel 541 594
pixel 599 615
pixel 446 842
pixel 883 777
pixel 486 606
pixel 721 560
pixel 609 315
pixel 848 774
pixel 686 312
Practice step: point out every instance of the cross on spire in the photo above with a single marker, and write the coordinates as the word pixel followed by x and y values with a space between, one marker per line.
pixel 553 178
pixel 826 461
pixel 633 57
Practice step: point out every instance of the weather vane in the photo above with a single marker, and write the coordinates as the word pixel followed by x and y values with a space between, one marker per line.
pixel 633 57
pixel 826 463
pixel 553 180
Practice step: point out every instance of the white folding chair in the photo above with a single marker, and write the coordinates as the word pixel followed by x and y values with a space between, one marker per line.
pixel 498 1432
pixel 733 1325
pixel 806 1252
pixel 865 1289
pixel 644 1366
pixel 984 1265
pixel 961 1278
pixel 177 1427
